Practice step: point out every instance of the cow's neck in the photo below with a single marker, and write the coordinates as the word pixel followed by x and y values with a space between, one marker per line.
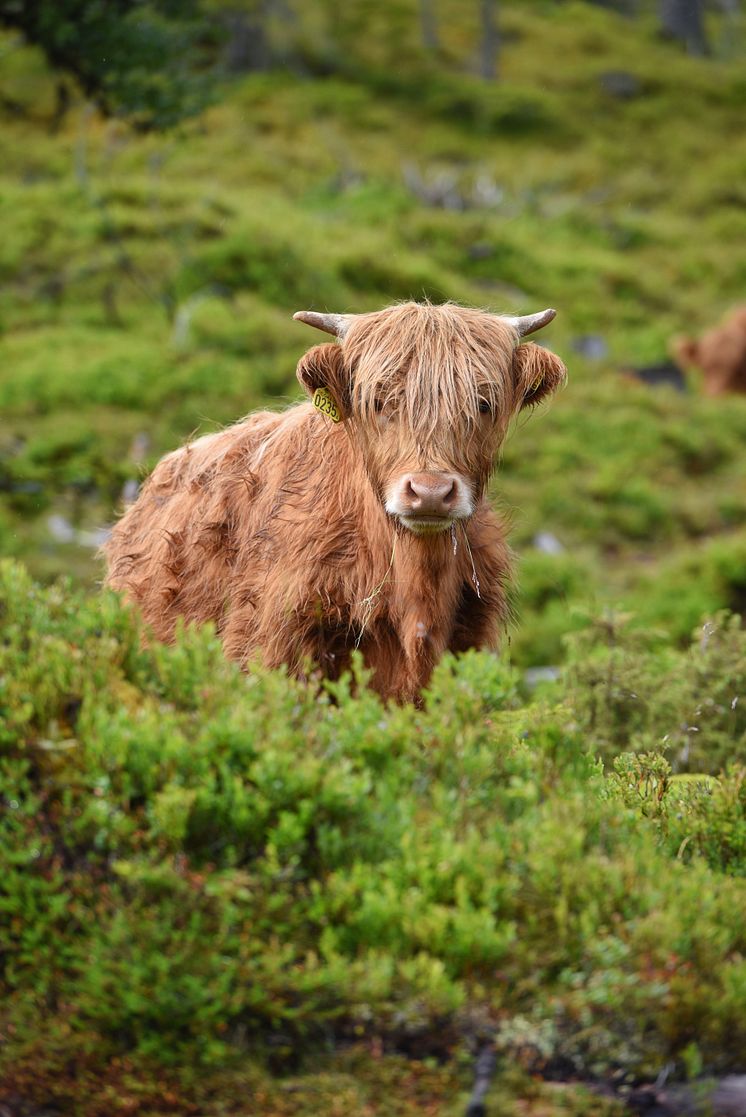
pixel 415 587
pixel 425 594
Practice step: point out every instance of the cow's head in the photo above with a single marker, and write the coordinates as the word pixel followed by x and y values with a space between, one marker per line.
pixel 427 392
pixel 720 353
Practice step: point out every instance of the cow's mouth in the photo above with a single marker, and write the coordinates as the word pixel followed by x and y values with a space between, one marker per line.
pixel 426 525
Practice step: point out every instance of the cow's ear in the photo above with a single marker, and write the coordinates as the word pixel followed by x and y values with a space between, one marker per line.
pixel 324 367
pixel 538 373
pixel 685 350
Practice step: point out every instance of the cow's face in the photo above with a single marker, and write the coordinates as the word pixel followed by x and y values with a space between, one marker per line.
pixel 427 393
pixel 720 354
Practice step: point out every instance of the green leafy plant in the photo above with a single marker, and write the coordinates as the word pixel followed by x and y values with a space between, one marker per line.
pixel 194 859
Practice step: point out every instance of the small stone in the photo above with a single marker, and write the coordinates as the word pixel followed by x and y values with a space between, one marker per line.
pixel 621 84
pixel 592 346
pixel 61 530
pixel 535 675
pixel 130 490
pixel 548 544
pixel 481 250
pixel 663 375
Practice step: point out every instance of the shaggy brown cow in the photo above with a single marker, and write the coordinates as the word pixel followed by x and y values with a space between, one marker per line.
pixel 720 353
pixel 357 522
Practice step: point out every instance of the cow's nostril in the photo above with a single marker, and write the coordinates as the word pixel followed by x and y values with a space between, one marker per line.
pixel 412 494
pixel 449 498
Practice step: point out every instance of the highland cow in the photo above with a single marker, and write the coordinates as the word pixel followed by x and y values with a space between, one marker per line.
pixel 720 353
pixel 357 520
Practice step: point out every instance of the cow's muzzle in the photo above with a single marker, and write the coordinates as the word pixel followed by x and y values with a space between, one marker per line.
pixel 429 502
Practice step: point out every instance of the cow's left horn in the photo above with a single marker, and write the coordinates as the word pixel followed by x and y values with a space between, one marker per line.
pixel 529 323
pixel 337 324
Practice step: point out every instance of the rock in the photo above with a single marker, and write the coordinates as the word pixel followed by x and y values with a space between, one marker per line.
pixel 130 489
pixel 729 1100
pixel 621 84
pixel 61 530
pixel 140 447
pixel 664 375
pixel 481 250
pixel 548 544
pixel 532 676
pixel 592 346
pixel 95 538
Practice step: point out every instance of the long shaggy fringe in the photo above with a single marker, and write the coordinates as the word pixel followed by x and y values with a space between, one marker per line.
pixel 434 364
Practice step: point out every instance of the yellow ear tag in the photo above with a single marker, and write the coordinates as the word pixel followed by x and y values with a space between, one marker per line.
pixel 323 400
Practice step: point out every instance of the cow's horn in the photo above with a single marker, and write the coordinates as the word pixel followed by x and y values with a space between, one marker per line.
pixel 337 324
pixel 528 323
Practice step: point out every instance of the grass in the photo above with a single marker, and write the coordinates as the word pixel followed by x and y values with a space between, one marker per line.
pixel 162 302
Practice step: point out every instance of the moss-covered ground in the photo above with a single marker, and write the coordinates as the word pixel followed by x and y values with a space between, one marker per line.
pixel 332 922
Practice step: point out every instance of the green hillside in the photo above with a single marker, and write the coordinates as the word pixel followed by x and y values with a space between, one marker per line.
pixel 149 283
pixel 335 922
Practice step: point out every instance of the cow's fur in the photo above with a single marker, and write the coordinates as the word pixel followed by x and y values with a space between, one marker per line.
pixel 720 353
pixel 275 529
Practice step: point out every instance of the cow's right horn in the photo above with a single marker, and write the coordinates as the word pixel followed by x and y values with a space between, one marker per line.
pixel 528 323
pixel 337 324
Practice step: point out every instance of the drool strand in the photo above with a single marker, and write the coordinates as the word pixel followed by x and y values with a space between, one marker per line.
pixel 474 577
pixel 369 602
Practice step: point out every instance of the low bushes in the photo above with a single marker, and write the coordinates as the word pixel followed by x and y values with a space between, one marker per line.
pixel 199 863
pixel 630 690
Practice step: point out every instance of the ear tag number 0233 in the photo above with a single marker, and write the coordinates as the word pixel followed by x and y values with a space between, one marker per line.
pixel 324 401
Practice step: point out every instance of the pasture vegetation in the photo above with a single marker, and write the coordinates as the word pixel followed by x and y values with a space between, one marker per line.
pixel 204 869
pixel 316 903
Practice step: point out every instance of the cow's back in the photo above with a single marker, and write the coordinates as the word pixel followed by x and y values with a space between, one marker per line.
pixel 172 551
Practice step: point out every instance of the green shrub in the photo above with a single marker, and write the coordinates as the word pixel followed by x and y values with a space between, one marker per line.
pixel 266 259
pixel 548 588
pixel 630 690
pixel 694 585
pixel 696 816
pixel 192 856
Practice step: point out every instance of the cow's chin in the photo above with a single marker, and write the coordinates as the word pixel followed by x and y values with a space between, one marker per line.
pixel 426 525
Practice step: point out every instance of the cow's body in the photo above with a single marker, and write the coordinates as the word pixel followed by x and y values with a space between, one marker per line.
pixel 284 531
pixel 720 353
pixel 269 530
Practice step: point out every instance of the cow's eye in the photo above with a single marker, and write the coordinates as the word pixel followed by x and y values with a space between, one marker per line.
pixel 378 406
pixel 485 407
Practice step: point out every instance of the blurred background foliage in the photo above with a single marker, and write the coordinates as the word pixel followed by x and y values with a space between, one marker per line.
pixel 345 159
pixel 177 179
